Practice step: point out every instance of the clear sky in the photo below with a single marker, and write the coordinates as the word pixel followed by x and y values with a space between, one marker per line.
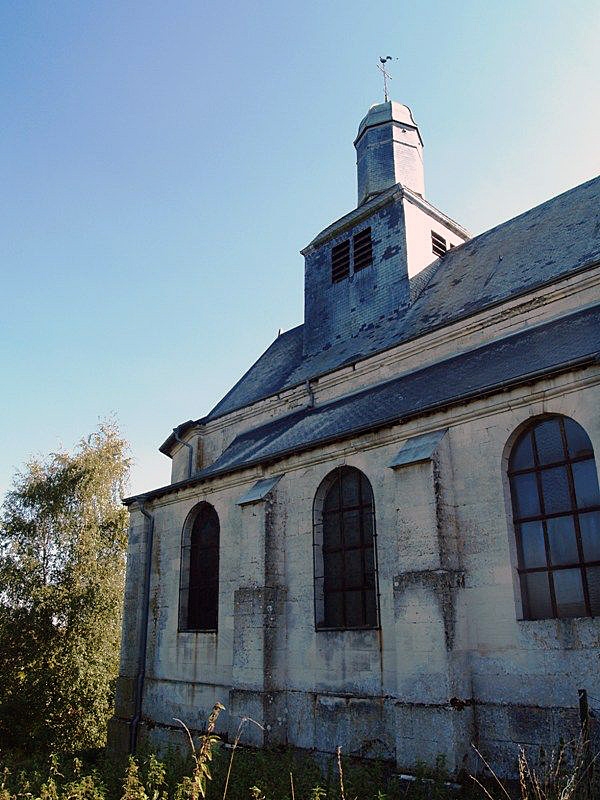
pixel 162 164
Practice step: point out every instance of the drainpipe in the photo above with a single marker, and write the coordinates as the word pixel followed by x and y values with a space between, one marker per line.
pixel 141 674
pixel 190 450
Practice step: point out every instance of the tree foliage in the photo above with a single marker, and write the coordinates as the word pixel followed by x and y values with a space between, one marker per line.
pixel 63 537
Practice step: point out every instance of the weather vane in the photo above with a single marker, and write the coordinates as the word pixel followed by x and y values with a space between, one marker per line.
pixel 386 74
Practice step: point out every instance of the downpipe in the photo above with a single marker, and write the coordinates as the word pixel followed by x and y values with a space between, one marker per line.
pixel 190 451
pixel 143 643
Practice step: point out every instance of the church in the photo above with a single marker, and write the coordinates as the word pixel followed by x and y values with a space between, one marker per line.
pixel 386 536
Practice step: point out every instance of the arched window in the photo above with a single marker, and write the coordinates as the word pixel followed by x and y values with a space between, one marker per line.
pixel 556 513
pixel 199 583
pixel 345 558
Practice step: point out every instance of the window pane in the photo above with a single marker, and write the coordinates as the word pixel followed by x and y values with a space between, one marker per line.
pixel 525 495
pixel 562 541
pixel 569 593
pixel 585 478
pixel 208 567
pixel 334 612
pixel 207 533
pixel 577 439
pixel 522 454
pixel 207 609
pixel 555 489
pixel 354 569
pixel 208 596
pixel 193 608
pixel 366 495
pixel 206 528
pixel 536 591
pixel 334 569
pixel 183 608
pixel 184 580
pixel 332 498
pixel 194 544
pixel 593 579
pixel 319 566
pixel 367 520
pixel 350 488
pixel 589 525
pixel 331 531
pixel 194 567
pixel 549 442
pixel 351 528
pixel 354 609
pixel 532 541
pixel 369 561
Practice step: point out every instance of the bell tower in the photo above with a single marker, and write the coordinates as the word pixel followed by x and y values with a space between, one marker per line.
pixel 357 271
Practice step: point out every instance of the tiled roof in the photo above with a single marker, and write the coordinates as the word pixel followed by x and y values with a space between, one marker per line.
pixel 570 342
pixel 538 247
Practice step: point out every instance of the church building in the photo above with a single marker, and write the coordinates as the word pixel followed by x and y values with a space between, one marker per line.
pixel 386 536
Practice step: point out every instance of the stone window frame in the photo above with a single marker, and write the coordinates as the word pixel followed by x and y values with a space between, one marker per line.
pixel 318 557
pixel 183 615
pixel 523 565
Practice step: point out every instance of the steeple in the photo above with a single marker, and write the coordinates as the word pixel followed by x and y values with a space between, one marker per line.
pixel 389 150
pixel 358 270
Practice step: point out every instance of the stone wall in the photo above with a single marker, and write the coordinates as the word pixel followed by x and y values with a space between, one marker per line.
pixel 452 662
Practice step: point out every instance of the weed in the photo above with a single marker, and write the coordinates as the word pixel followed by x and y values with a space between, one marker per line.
pixel 211 771
pixel 565 773
pixel 133 788
pixel 194 786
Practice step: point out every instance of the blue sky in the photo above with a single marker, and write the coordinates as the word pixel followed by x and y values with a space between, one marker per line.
pixel 163 163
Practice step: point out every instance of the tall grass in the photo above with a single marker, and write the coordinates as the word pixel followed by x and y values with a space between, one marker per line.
pixel 565 773
pixel 215 771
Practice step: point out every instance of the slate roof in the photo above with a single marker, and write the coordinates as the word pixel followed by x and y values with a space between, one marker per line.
pixel 542 245
pixel 573 341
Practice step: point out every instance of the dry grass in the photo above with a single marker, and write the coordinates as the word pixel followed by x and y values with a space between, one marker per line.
pixel 565 773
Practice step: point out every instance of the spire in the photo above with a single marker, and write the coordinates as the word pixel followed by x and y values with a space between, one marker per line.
pixel 389 150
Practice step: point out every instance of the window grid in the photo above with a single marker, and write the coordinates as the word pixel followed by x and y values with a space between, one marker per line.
pixel 574 510
pixel 199 581
pixel 340 584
